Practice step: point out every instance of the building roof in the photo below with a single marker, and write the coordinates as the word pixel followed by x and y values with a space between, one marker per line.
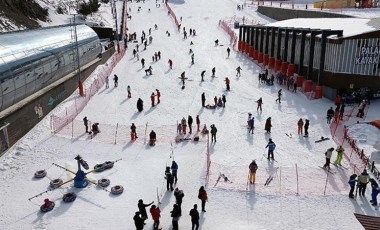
pixel 350 26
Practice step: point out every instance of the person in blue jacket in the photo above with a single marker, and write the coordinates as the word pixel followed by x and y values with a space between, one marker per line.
pixel 352 182
pixel 271 147
pixel 375 191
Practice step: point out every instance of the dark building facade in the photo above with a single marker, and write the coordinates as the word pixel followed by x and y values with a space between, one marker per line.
pixel 325 61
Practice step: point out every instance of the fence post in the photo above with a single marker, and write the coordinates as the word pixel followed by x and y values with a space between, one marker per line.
pixel 72 128
pixel 117 125
pixel 297 180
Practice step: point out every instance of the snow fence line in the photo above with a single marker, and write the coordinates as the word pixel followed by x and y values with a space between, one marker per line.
pixel 172 14
pixel 358 161
pixel 60 119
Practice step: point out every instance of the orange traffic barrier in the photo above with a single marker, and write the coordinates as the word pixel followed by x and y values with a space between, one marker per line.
pixel 266 59
pixel 307 86
pixel 318 92
pixel 299 81
pixel 260 57
pixel 277 65
pixel 291 69
pixel 254 55
pixel 271 63
pixel 284 67
pixel 240 44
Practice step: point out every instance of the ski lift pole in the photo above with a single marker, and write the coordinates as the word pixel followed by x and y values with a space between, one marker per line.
pixel 117 125
pixel 297 179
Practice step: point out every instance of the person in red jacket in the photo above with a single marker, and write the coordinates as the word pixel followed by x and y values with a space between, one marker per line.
pixel 202 195
pixel 155 211
pixel 198 122
pixel 158 96
pixel 152 99
pixel 227 83
pixel 170 64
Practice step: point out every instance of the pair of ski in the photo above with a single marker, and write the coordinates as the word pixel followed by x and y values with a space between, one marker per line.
pixel 340 167
pixel 271 177
pixel 327 170
pixel 269 158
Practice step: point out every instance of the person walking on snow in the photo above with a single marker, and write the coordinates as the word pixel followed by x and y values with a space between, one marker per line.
pixel 227 84
pixel 183 123
pixel 190 123
pixel 175 216
pixel 375 191
pixel 339 156
pixel 139 222
pixel 142 62
pixel 142 209
pixel 306 127
pixel 224 100
pixel 228 52
pixel 271 147
pixel 330 114
pixel 216 101
pixel 107 82
pixel 328 155
pixel 203 99
pixel 170 64
pixel 156 214
pixel 259 104
pixel 363 180
pixel 238 71
pixel 115 79
pixel 158 96
pixel 140 105
pixel 213 72
pixel 213 133
pixel 194 218
pixel 279 94
pixel 252 172
pixel 352 182
pixel 174 169
pixel 268 124
pixel 178 194
pixel 192 58
pixel 300 126
pixel 129 91
pixel 152 99
pixel 251 124
pixel 133 132
pixel 202 195
pixel 85 122
pixel 203 74
pixel 169 179
pixel 198 121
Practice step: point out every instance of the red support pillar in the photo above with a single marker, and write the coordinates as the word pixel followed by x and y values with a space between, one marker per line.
pixel 266 59
pixel 81 91
pixel 291 69
pixel 299 81
pixel 271 63
pixel 260 57
pixel 318 92
pixel 284 67
pixel 307 86
pixel 277 65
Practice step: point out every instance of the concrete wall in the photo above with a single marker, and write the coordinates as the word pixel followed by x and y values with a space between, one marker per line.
pixel 280 14
pixel 23 119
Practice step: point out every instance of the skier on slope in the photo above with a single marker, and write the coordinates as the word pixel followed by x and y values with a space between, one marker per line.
pixel 228 51
pixel 375 191
pixel 227 84
pixel 152 138
pixel 271 147
pixel 251 124
pixel 133 132
pixel 213 133
pixel 158 94
pixel 306 127
pixel 203 74
pixel 152 97
pixel 352 182
pixel 142 62
pixel 279 94
pixel 213 72
pixel 202 195
pixel 190 123
pixel 170 64
pixel 183 123
pixel 224 100
pixel 252 172
pixel 140 105
pixel 198 121
pixel 339 156
pixel 238 71
pixel 115 79
pixel 203 99
pixel 328 155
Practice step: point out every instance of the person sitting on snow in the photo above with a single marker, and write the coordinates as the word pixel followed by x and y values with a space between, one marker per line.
pixel 95 128
pixel 204 130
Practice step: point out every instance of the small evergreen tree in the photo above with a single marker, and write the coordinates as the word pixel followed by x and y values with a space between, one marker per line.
pixel 90 7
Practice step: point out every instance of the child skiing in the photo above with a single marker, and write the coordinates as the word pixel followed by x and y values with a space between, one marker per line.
pixel 252 172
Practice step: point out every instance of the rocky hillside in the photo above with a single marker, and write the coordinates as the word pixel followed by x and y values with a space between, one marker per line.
pixel 21 14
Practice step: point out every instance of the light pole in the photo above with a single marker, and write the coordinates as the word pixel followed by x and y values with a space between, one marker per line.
pixel 80 83
pixel 116 31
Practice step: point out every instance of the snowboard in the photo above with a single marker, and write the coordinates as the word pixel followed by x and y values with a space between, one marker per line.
pixel 322 139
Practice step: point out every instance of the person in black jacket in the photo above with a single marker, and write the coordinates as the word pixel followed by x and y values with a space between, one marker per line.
pixel 142 210
pixel 330 114
pixel 203 99
pixel 174 169
pixel 139 222
pixel 85 122
pixel 194 218
pixel 175 214
pixel 178 194
pixel 190 123
pixel 169 179
pixel 306 127
pixel 152 140
pixel 140 105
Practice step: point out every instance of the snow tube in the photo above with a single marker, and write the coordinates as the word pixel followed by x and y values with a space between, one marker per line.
pixel 47 209
pixel 108 165
pixel 104 182
pixel 376 123
pixel 40 174
pixel 69 197
pixel 117 189
pixel 56 183
pixel 99 167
